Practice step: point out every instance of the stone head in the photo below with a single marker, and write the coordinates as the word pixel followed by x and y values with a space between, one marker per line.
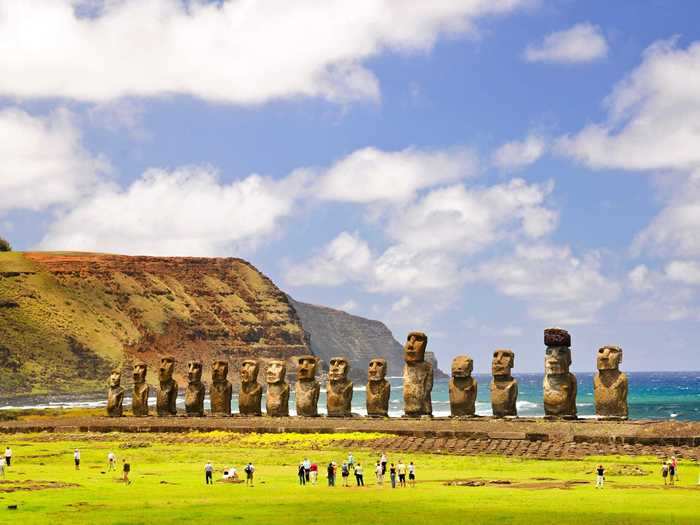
pixel 339 368
pixel 414 349
pixel 167 367
pixel 609 358
pixel 306 367
pixel 557 337
pixel 275 372
pixel 249 371
pixel 194 371
pixel 219 371
pixel 140 371
pixel 115 378
pixel 557 360
pixel 503 362
pixel 462 366
pixel 376 370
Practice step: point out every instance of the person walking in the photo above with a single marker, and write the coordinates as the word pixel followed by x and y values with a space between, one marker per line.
pixel 671 473
pixel 664 471
pixel 674 465
pixel 301 472
pixel 76 459
pixel 8 456
pixel 412 474
pixel 313 473
pixel 331 474
pixel 401 469
pixel 2 468
pixel 209 473
pixel 392 475
pixel 351 461
pixel 345 473
pixel 358 476
pixel 383 461
pixel 307 469
pixel 378 473
pixel 600 477
pixel 111 460
pixel 249 470
pixel 126 469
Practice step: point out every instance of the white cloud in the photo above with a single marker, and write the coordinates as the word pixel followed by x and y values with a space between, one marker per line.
pixel 42 161
pixel 653 116
pixel 370 175
pixel 518 154
pixel 558 287
pixel 401 269
pixel 239 52
pixel 184 212
pixel 348 306
pixel 580 43
pixel 687 272
pixel 663 295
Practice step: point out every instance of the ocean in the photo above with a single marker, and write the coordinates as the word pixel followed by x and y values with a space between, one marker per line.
pixel 652 395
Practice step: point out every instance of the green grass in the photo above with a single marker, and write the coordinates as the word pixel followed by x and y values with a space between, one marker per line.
pixel 168 486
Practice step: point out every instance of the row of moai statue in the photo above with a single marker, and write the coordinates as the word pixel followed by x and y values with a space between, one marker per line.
pixel 610 385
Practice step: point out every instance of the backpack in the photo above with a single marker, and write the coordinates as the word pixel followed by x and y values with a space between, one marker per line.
pixel 248 469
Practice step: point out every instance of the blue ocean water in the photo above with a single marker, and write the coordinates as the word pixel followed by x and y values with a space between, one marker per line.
pixel 652 395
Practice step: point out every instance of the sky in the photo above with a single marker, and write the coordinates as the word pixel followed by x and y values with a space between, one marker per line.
pixel 475 169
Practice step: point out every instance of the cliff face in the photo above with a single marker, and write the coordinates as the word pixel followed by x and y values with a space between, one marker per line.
pixel 337 333
pixel 66 319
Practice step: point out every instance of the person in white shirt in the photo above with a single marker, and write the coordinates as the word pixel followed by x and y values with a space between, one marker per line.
pixel 208 473
pixel 412 474
pixel 383 461
pixel 8 456
pixel 378 470
pixel 401 469
pixel 76 459
pixel 111 460
pixel 2 467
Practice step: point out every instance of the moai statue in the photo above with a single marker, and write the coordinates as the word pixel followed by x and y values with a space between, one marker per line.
pixel 417 377
pixel 139 399
pixel 221 390
pixel 194 395
pixel 610 385
pixel 307 388
pixel 559 383
pixel 339 388
pixel 115 395
pixel 166 397
pixel 504 388
pixel 463 387
pixel 277 403
pixel 250 395
pixel 378 389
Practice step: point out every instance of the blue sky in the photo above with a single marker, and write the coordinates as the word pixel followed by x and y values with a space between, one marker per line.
pixel 476 169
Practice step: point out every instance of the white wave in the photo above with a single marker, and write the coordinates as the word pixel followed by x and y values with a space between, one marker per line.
pixel 526 404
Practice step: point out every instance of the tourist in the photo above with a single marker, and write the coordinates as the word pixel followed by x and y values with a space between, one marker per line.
pixel 351 461
pixel 379 474
pixel 249 470
pixel 2 468
pixel 345 473
pixel 208 473
pixel 331 474
pixel 412 474
pixel 8 456
pixel 111 459
pixel 358 476
pixel 600 477
pixel 671 472
pixel 383 462
pixel 126 468
pixel 307 469
pixel 664 471
pixel 401 469
pixel 230 473
pixel 313 473
pixel 674 465
pixel 76 459
pixel 392 475
pixel 302 474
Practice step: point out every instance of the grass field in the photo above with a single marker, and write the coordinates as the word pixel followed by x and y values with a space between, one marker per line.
pixel 168 485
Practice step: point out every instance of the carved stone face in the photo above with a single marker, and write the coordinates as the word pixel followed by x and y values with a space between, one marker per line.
pixel 167 367
pixel 557 360
pixel 306 368
pixel 376 370
pixel 275 372
pixel 414 349
pixel 339 368
pixel 249 371
pixel 219 371
pixel 609 358
pixel 194 371
pixel 140 370
pixel 115 379
pixel 462 366
pixel 502 363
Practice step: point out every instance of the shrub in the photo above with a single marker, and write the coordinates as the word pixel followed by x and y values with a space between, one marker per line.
pixel 5 246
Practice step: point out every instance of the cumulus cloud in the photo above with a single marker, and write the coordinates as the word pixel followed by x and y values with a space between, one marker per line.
pixel 372 175
pixel 664 295
pixel 188 211
pixel 580 43
pixel 518 154
pixel 687 272
pixel 238 52
pixel 42 161
pixel 558 287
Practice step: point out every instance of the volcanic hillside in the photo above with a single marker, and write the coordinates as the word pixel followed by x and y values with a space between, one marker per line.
pixel 66 319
